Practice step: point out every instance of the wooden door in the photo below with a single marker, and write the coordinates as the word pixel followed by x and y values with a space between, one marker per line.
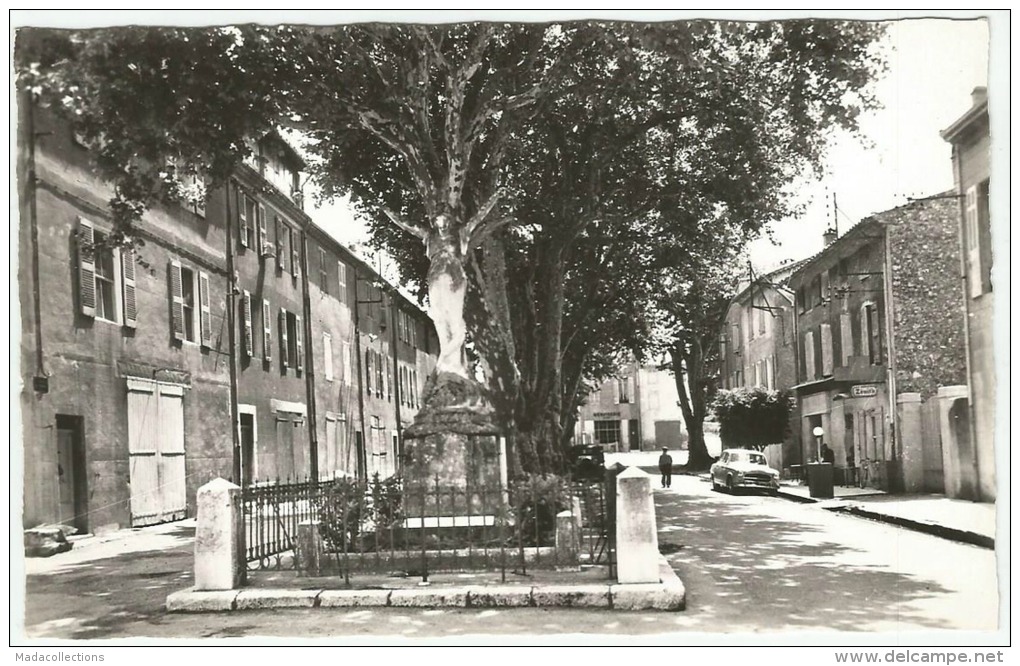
pixel 156 452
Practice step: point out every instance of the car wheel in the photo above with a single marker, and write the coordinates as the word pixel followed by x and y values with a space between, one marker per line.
pixel 729 485
pixel 715 485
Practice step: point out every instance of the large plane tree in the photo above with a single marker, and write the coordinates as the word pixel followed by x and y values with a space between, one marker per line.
pixel 502 152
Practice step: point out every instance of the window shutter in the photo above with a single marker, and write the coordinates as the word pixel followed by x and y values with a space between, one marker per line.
pixel 346 363
pixel 205 312
pixel 974 268
pixel 284 342
pixel 299 343
pixel 242 218
pixel 865 333
pixel 380 376
pixel 389 379
pixel 846 337
pixel 127 272
pixel 826 335
pixel 294 257
pixel 281 257
pixel 368 371
pixel 86 268
pixel 264 247
pixel 267 331
pixel 809 355
pixel 176 300
pixel 249 338
pixel 327 356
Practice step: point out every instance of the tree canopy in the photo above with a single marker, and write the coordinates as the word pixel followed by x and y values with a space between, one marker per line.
pixel 753 417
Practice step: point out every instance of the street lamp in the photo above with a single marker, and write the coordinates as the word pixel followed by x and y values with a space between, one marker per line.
pixel 818 433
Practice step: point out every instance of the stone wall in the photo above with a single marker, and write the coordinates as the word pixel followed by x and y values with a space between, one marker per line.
pixel 928 318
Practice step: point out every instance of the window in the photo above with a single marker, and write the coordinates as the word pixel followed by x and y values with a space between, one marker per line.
pixel 323 272
pixel 414 388
pixel 801 300
pixel 607 432
pixel 327 356
pixel 189 304
pixel 294 248
pixel 291 347
pixel 267 331
pixel 281 244
pixel 623 389
pixel 388 378
pixel 380 376
pixel 761 319
pixel 816 291
pixel 247 219
pixel 341 271
pixel 106 289
pixel 846 338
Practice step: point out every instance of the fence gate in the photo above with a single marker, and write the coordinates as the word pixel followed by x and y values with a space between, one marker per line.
pixel 156 452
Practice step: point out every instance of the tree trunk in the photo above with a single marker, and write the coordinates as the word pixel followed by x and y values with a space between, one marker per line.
pixel 692 404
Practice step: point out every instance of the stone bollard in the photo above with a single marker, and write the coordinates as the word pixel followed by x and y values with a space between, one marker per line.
pixel 567 540
pixel 219 560
pixel 575 509
pixel 637 543
pixel 308 549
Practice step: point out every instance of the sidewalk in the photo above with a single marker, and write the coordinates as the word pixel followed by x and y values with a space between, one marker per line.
pixel 959 520
pixel 89 547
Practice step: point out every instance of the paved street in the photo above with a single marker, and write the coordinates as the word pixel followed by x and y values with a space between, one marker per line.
pixel 750 564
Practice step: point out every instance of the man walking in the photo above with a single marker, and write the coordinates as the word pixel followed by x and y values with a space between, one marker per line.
pixel 666 467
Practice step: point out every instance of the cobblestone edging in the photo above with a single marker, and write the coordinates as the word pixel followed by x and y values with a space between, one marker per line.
pixel 667 595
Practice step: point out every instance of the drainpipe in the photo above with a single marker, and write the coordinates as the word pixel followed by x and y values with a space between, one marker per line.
pixel 890 328
pixel 972 429
pixel 232 341
pixel 30 185
pixel 796 369
pixel 396 381
pixel 313 430
pixel 360 471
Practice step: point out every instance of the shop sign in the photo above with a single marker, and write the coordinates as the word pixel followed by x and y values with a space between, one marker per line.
pixel 864 391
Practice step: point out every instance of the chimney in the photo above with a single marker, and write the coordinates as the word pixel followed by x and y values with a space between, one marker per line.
pixel 829 237
pixel 979 95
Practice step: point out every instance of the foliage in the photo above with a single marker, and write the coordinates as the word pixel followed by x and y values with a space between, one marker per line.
pixel 349 508
pixel 536 499
pixel 753 417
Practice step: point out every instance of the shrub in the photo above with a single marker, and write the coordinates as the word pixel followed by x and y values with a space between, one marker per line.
pixel 753 417
pixel 536 499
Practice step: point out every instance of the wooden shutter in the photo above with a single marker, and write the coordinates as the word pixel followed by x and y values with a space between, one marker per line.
pixel 368 371
pixel 294 258
pixel 267 331
pixel 281 257
pixel 380 376
pixel 341 273
pixel 127 273
pixel 284 351
pixel 327 356
pixel 809 355
pixel 176 300
pixel 298 343
pixel 204 310
pixel 86 267
pixel 846 338
pixel 249 338
pixel 826 335
pixel 242 218
pixel 865 333
pixel 975 271
pixel 263 243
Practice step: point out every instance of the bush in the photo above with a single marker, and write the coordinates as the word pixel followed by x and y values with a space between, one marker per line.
pixel 536 499
pixel 349 508
pixel 753 417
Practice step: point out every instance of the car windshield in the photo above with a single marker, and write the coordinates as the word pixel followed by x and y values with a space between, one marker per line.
pixel 747 456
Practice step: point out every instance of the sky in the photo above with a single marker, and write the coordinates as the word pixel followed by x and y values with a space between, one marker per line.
pixel 933 65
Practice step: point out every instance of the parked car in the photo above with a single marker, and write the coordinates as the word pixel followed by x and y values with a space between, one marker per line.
pixel 742 468
pixel 586 462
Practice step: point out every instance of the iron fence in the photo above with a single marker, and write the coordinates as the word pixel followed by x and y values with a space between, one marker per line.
pixel 415 527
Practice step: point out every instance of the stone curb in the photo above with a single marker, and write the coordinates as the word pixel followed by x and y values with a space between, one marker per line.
pixel 667 595
pixel 845 506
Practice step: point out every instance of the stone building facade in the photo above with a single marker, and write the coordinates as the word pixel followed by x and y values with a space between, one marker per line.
pixel 637 411
pixel 131 374
pixel 873 334
pixel 757 347
pixel 970 139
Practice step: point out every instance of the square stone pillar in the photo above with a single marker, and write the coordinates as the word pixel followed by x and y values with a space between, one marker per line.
pixel 219 558
pixel 908 415
pixel 637 542
pixel 954 426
